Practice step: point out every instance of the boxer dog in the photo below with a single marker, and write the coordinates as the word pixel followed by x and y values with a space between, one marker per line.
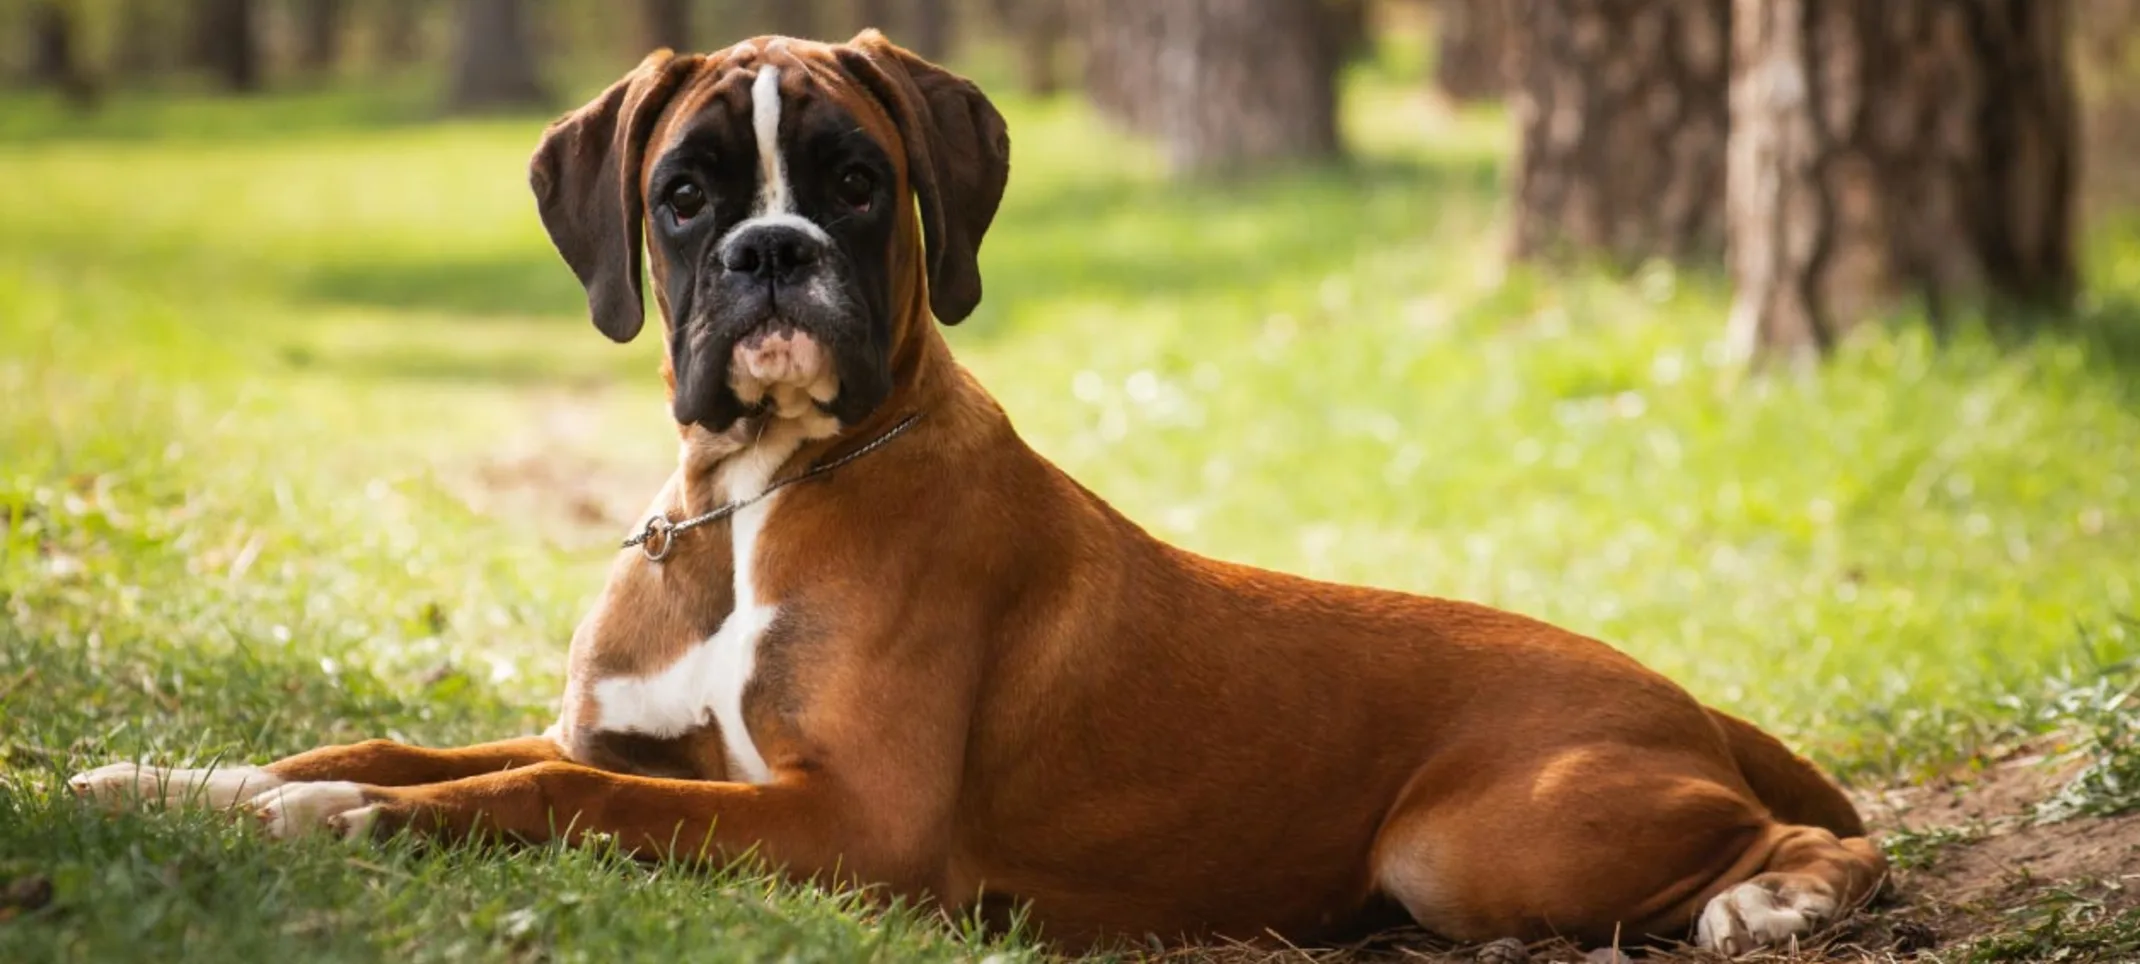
pixel 872 638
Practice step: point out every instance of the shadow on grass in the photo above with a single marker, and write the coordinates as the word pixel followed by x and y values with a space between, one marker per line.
pixel 532 283
pixel 1127 240
pixel 2109 332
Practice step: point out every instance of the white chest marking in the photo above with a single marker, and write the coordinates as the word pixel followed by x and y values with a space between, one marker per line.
pixel 709 680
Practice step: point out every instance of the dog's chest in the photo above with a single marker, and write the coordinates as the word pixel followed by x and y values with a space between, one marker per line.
pixel 664 711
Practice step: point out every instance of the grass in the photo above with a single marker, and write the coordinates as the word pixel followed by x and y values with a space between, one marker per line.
pixel 305 439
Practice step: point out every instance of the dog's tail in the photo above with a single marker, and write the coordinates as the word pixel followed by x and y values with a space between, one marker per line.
pixel 1788 784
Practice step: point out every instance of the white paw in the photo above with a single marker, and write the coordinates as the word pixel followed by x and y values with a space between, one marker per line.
pixel 1756 915
pixel 124 784
pixel 301 808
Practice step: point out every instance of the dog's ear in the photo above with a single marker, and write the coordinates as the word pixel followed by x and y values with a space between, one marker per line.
pixel 586 179
pixel 958 161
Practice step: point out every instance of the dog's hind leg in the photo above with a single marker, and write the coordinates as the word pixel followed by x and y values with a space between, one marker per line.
pixel 1811 877
pixel 1609 843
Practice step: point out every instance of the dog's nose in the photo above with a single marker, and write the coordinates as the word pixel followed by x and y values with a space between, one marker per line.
pixel 770 252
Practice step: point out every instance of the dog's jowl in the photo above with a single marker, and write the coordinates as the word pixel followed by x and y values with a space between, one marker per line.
pixel 872 637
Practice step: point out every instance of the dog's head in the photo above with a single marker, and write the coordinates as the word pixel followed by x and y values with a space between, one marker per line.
pixel 775 184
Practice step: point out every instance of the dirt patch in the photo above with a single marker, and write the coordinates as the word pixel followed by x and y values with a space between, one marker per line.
pixel 571 469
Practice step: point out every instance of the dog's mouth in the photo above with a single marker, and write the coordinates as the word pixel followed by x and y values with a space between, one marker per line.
pixel 778 368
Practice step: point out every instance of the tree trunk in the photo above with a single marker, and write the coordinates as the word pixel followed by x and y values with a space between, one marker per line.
pixel 1474 40
pixel 879 14
pixel 794 18
pixel 2107 70
pixel 55 54
pixel 143 46
pixel 52 54
pixel 1041 27
pixel 1623 109
pixel 493 61
pixel 400 31
pixel 226 42
pixel 1122 41
pixel 319 41
pixel 1903 147
pixel 667 23
pixel 931 21
pixel 1247 83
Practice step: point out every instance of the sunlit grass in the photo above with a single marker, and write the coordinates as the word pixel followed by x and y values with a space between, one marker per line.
pixel 270 405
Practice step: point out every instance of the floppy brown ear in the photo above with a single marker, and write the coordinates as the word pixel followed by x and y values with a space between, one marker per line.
pixel 958 160
pixel 586 179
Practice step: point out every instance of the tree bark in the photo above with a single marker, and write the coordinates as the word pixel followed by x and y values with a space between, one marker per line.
pixel 1123 42
pixel 2107 72
pixel 794 18
pixel 1919 147
pixel 932 28
pixel 1228 85
pixel 55 54
pixel 319 40
pixel 226 42
pixel 1249 83
pixel 143 45
pixel 1623 111
pixel 667 23
pixel 1474 41
pixel 879 14
pixel 494 62
pixel 52 49
pixel 1040 27
pixel 400 31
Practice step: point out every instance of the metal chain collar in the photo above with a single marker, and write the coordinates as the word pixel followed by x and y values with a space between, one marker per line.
pixel 657 538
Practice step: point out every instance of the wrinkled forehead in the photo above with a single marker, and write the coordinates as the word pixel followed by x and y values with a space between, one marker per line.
pixel 731 100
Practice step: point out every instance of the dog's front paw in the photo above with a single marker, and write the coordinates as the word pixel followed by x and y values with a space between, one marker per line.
pixel 121 785
pixel 301 808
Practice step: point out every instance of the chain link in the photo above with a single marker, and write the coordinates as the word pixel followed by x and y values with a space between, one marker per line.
pixel 657 536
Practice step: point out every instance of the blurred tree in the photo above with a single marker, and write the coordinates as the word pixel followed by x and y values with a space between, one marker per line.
pixel 930 28
pixel 226 42
pixel 879 14
pixel 1909 146
pixel 1474 49
pixel 1247 83
pixel 1123 41
pixel 319 35
pixel 1623 112
pixel 55 54
pixel 2107 69
pixel 493 61
pixel 668 23
pixel 400 30
pixel 1228 85
pixel 793 18
pixel 143 43
pixel 1040 27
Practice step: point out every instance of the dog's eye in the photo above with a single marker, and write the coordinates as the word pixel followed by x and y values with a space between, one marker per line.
pixel 857 188
pixel 687 200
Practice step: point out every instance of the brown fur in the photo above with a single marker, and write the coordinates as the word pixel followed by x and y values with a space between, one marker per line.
pixel 985 685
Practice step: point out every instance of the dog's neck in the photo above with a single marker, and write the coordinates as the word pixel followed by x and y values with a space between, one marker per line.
pixel 718 467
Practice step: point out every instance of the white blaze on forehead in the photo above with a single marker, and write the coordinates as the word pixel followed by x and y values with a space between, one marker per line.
pixel 773 195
